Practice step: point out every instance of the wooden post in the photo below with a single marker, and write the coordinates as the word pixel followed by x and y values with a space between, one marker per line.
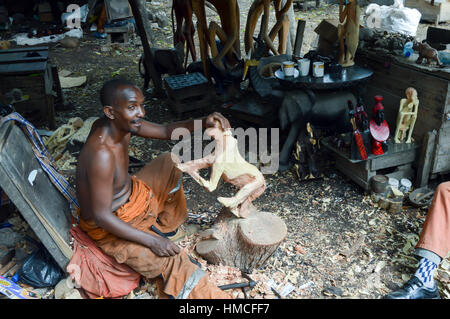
pixel 299 37
pixel 425 159
pixel 144 31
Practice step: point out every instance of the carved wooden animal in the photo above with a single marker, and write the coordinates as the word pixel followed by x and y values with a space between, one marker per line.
pixel 165 61
pixel 348 32
pixel 426 52
pixel 228 33
pixel 185 30
pixel 226 162
pixel 281 26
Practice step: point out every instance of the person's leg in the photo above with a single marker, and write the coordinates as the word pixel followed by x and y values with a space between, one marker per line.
pixel 178 276
pixel 432 247
pixel 162 176
pixel 435 235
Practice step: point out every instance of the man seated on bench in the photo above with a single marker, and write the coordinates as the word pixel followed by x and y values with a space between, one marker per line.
pixel 131 217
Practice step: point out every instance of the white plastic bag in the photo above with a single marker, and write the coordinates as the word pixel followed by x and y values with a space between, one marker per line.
pixel 395 18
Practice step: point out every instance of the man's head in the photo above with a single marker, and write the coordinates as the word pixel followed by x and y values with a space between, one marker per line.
pixel 122 103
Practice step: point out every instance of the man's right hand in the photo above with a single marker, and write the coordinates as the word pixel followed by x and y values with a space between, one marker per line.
pixel 163 247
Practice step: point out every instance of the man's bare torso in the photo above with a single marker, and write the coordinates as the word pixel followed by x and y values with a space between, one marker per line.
pixel 98 140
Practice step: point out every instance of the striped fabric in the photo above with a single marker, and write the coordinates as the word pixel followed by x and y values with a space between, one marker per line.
pixel 425 271
pixel 44 157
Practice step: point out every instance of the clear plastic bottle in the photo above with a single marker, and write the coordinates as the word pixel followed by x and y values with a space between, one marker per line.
pixel 408 49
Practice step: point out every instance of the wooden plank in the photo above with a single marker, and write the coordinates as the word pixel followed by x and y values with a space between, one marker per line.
pixel 299 37
pixel 425 159
pixel 442 164
pixel 444 136
pixel 23 68
pixel 355 171
pixel 26 49
pixel 369 57
pixel 393 159
pixel 40 203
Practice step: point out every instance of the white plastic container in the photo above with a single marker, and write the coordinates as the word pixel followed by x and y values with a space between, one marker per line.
pixel 405 185
pixel 394 182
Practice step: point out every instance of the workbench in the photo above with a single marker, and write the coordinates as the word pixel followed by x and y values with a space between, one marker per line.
pixel 29 70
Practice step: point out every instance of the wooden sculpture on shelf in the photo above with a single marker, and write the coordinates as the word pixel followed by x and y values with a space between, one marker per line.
pixel 241 235
pixel 348 31
pixel 226 162
pixel 379 128
pixel 184 31
pixel 228 33
pixel 426 52
pixel 407 116
pixel 281 26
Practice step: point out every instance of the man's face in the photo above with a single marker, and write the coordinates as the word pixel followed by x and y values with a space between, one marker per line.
pixel 128 108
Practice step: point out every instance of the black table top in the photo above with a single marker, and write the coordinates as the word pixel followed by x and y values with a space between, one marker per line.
pixel 350 76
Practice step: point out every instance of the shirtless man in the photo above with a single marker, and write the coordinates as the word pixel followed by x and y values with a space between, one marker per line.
pixel 120 212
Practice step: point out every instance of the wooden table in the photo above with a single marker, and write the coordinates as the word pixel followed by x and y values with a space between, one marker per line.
pixel 29 70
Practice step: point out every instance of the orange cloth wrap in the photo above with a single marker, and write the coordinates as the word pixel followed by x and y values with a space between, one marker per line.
pixel 140 202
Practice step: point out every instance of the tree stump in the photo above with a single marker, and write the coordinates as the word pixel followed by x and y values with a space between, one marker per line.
pixel 245 243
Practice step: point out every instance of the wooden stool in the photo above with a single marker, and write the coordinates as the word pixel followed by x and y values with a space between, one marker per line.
pixel 117 31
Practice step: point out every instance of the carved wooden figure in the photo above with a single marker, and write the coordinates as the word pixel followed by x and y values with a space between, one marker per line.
pixel 348 31
pixel 379 128
pixel 281 26
pixel 407 116
pixel 185 30
pixel 426 52
pixel 228 32
pixel 226 162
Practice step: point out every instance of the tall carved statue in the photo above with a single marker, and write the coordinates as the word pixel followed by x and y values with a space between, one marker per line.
pixel 407 116
pixel 228 33
pixel 281 26
pixel 184 31
pixel 348 31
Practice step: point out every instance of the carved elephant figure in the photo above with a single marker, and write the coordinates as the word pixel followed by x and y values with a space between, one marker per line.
pixel 327 111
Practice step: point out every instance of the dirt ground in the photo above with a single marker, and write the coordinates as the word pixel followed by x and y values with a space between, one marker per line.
pixel 339 244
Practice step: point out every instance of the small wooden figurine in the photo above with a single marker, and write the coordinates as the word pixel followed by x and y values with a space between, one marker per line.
pixel 226 162
pixel 379 129
pixel 307 155
pixel 348 31
pixel 426 52
pixel 407 116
